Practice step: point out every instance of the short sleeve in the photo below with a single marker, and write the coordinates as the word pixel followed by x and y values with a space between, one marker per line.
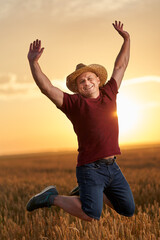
pixel 69 103
pixel 110 88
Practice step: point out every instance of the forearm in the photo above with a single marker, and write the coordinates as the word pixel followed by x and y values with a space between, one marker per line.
pixel 40 78
pixel 123 56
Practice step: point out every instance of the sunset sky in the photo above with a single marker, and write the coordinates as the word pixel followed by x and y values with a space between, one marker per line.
pixel 75 31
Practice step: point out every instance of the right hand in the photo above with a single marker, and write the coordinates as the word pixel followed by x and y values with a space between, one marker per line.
pixel 35 51
pixel 119 27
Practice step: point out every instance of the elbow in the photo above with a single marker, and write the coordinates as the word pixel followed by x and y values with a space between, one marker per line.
pixel 122 65
pixel 44 91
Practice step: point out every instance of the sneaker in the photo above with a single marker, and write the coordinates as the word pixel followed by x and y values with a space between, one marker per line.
pixel 75 191
pixel 42 199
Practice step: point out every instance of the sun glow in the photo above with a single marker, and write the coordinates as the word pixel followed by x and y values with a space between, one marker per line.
pixel 127 111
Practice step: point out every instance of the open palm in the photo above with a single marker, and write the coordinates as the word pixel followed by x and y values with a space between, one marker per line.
pixel 35 51
pixel 119 27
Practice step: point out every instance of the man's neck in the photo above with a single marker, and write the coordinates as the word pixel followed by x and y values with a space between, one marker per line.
pixel 93 95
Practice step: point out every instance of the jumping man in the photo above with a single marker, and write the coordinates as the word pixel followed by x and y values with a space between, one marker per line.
pixel 92 111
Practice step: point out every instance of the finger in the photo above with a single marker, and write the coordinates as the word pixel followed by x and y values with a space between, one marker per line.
pixel 30 47
pixel 39 43
pixel 119 24
pixel 41 51
pixel 34 44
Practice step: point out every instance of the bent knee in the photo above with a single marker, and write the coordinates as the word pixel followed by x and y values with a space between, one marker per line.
pixel 87 218
pixel 129 211
pixel 90 219
pixel 91 214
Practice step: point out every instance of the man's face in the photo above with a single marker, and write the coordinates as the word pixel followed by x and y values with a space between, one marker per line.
pixel 88 85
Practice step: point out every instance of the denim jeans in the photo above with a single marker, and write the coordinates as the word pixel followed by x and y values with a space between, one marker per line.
pixel 94 179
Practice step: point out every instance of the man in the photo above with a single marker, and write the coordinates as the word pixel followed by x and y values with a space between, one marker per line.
pixel 92 111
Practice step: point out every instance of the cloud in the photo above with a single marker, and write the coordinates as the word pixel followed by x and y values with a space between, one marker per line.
pixel 140 80
pixel 6 8
pixel 144 90
pixel 11 87
pixel 4 79
pixel 62 8
pixel 11 6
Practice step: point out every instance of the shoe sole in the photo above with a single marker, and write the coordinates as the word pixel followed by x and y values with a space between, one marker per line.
pixel 74 192
pixel 45 190
pixel 38 194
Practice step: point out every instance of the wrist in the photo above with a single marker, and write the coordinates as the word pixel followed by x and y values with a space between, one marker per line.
pixel 126 40
pixel 126 37
pixel 33 62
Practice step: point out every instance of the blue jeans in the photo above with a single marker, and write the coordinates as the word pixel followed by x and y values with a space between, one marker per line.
pixel 94 179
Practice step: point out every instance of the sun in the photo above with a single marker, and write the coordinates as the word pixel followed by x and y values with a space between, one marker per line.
pixel 127 111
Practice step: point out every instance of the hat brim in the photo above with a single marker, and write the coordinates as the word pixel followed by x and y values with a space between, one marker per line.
pixel 99 70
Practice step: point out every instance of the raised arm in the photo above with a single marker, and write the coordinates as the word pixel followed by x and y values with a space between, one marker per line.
pixel 46 87
pixel 123 56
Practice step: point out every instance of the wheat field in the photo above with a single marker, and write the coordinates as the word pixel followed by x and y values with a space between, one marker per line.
pixel 22 176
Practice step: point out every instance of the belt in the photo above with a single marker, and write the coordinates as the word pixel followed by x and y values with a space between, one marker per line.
pixel 107 161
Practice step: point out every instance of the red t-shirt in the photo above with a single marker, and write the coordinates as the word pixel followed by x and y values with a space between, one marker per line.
pixel 95 123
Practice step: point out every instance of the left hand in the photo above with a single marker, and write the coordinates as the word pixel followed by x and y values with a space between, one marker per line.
pixel 35 51
pixel 119 27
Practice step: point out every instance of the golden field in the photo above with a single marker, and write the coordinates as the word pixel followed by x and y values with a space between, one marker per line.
pixel 22 176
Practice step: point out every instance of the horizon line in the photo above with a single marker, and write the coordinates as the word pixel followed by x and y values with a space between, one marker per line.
pixel 69 150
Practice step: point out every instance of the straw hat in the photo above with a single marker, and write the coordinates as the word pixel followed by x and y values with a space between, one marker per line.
pixel 99 70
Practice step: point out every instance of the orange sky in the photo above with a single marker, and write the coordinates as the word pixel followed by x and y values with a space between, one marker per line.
pixel 72 32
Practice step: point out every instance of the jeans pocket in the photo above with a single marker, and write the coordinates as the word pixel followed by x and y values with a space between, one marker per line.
pixel 88 174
